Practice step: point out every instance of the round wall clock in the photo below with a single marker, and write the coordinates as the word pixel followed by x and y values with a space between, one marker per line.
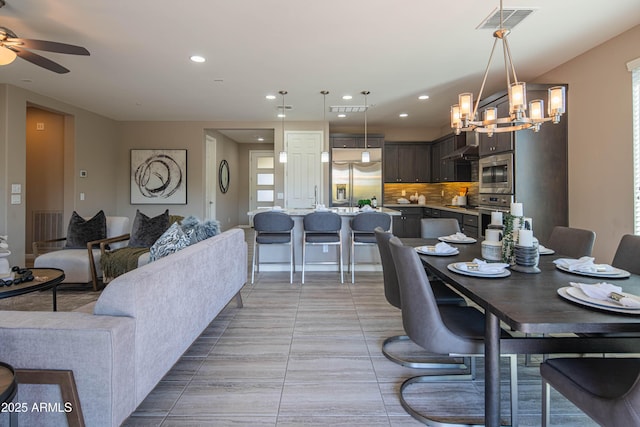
pixel 223 176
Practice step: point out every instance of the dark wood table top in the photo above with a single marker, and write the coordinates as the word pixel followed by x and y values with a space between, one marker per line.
pixel 530 302
pixel 44 278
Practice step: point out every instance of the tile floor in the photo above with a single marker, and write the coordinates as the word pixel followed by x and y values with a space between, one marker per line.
pixel 308 355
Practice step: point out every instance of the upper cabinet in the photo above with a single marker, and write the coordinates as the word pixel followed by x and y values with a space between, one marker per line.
pixel 498 142
pixel 407 162
pixel 449 170
pixel 356 141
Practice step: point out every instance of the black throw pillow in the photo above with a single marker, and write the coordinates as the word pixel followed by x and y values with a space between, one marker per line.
pixel 81 231
pixel 145 231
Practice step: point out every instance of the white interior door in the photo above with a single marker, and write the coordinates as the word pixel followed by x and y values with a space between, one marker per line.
pixel 211 177
pixel 261 179
pixel 303 169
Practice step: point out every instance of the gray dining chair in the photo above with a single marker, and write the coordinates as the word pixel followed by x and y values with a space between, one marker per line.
pixel 606 389
pixel 362 226
pixel 432 228
pixel 442 293
pixel 627 256
pixel 440 329
pixel 322 228
pixel 272 228
pixel 571 242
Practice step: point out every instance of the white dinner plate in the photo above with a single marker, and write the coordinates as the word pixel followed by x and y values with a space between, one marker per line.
pixel 574 294
pixel 614 273
pixel 448 239
pixel 546 251
pixel 453 267
pixel 430 250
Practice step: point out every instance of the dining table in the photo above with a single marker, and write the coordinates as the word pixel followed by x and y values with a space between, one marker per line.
pixel 537 305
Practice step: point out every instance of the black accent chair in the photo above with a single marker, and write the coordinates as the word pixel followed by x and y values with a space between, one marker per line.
pixel 440 329
pixel 272 228
pixel 362 226
pixel 322 228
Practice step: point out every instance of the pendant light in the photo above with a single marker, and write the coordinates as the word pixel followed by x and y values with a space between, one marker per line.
pixel 464 115
pixel 366 156
pixel 283 153
pixel 324 156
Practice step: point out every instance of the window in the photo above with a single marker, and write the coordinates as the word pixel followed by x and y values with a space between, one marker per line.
pixel 634 67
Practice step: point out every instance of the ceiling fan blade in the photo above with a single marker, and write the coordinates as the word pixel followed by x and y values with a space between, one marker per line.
pixel 49 46
pixel 41 61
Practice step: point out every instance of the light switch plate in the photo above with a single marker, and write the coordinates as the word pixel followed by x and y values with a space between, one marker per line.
pixel 16 188
pixel 16 199
pixel 83 173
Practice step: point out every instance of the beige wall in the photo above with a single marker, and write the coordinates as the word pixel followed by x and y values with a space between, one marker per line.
pixel 600 139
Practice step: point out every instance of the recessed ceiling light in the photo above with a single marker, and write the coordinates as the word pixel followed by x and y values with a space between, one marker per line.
pixel 270 97
pixel 280 115
pixel 260 139
pixel 197 58
pixel 423 97
pixel 342 116
pixel 347 97
pixel 403 115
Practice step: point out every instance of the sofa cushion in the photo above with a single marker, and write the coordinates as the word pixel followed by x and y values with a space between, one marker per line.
pixel 145 231
pixel 170 242
pixel 80 231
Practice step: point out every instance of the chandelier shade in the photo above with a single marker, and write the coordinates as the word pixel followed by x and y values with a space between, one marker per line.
pixel 464 114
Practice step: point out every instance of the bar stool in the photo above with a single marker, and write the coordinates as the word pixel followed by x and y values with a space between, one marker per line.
pixel 322 228
pixel 362 233
pixel 272 228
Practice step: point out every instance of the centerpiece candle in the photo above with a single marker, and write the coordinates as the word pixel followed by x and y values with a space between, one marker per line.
pixel 516 209
pixel 525 238
pixel 496 218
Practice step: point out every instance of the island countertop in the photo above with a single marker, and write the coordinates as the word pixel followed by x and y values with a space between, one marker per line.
pixel 346 211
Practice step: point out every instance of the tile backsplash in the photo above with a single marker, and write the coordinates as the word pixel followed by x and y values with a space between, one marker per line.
pixel 438 193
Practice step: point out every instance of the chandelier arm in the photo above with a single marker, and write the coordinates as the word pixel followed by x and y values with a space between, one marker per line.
pixel 484 80
pixel 507 50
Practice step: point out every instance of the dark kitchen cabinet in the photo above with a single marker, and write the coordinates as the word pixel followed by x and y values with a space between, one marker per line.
pixel 470 225
pixel 407 162
pixel 449 170
pixel 498 142
pixel 355 141
pixel 407 224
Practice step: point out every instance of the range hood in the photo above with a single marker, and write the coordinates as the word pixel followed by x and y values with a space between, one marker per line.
pixel 468 152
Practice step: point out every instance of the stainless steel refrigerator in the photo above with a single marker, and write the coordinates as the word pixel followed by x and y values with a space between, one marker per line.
pixel 353 180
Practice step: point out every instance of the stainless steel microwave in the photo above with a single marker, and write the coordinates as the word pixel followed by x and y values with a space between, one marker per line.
pixel 496 174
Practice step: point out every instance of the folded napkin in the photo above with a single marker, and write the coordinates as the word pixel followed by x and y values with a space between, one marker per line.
pixel 481 266
pixel 542 248
pixel 584 264
pixel 444 248
pixel 457 236
pixel 603 291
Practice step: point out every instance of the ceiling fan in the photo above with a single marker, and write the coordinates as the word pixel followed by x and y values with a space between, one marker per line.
pixel 12 46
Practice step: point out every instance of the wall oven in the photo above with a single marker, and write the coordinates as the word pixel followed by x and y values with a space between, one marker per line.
pixel 496 174
pixel 488 203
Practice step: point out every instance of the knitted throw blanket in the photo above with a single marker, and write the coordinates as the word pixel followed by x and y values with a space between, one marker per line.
pixel 119 261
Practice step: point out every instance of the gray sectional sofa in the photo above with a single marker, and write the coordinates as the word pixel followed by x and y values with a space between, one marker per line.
pixel 122 345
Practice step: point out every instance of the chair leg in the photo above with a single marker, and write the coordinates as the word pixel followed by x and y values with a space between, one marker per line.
pixel 304 257
pixel 292 262
pixel 340 260
pixel 546 402
pixel 420 364
pixel 352 260
pixel 253 262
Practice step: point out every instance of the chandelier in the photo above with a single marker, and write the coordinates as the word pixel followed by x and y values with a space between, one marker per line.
pixel 464 115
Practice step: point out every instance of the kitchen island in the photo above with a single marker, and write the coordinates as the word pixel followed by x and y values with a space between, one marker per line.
pixel 366 255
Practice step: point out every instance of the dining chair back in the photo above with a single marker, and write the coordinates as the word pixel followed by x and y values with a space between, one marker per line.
pixel 606 389
pixel 322 228
pixel 432 228
pixel 272 228
pixel 571 242
pixel 443 295
pixel 627 255
pixel 362 226
pixel 439 329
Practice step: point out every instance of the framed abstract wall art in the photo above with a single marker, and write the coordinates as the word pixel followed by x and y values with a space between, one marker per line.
pixel 159 177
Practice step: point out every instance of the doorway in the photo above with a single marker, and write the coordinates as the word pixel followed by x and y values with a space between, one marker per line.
pixel 262 181
pixel 44 192
pixel 303 169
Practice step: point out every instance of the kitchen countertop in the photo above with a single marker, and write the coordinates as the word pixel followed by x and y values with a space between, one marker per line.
pixel 461 209
pixel 339 210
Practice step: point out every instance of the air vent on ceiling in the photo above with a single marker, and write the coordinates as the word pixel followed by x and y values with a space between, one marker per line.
pixel 348 108
pixel 511 17
pixel 286 107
